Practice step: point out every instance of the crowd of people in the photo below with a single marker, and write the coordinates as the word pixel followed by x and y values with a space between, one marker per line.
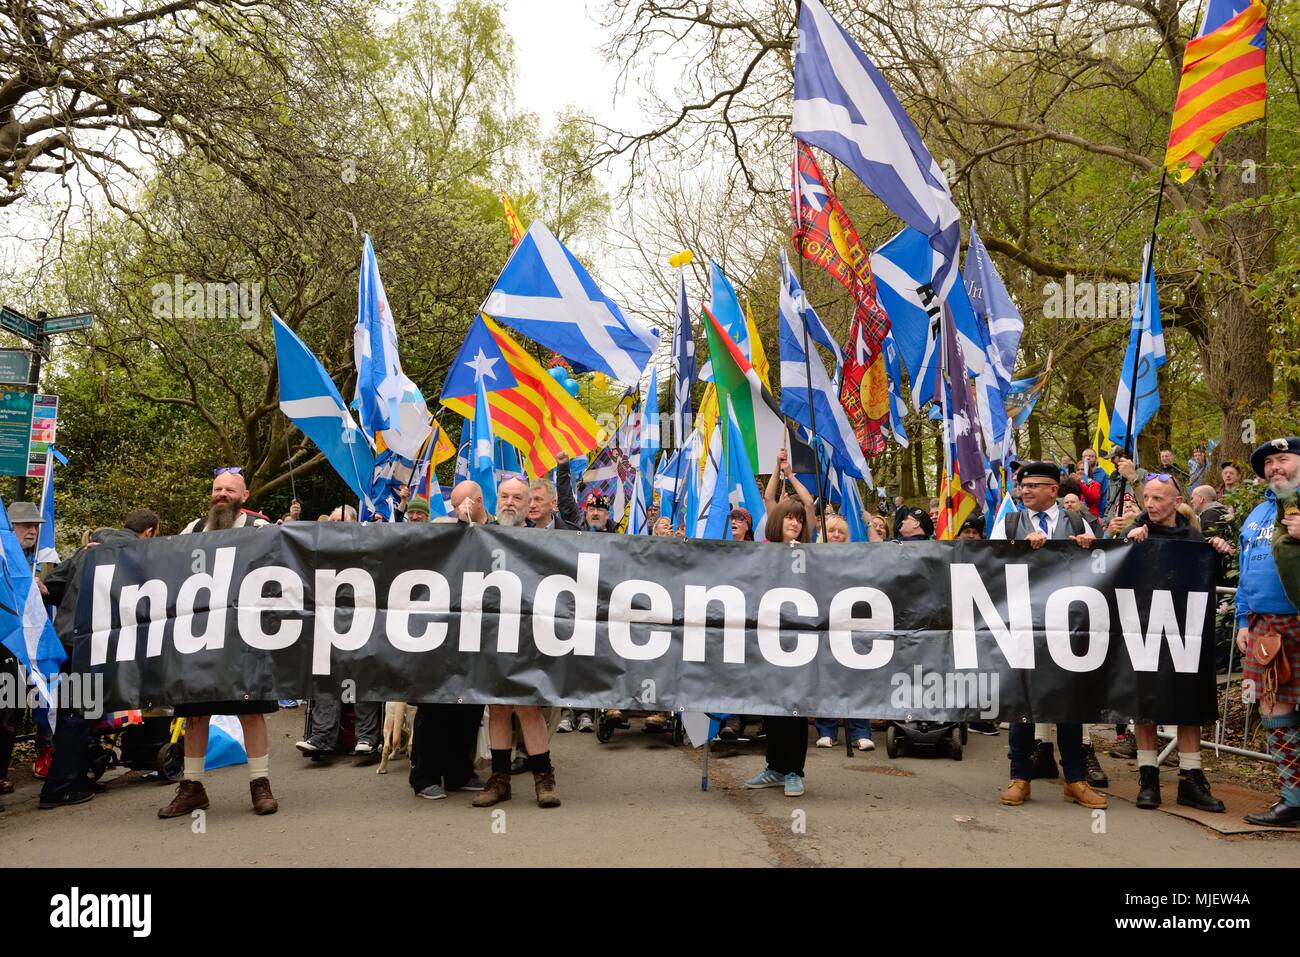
pixel 1078 501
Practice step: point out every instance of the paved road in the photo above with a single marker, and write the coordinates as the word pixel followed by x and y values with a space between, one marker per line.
pixel 635 801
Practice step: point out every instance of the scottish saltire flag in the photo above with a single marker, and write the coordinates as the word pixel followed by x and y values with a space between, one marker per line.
pixel 905 282
pixel 545 294
pixel 735 485
pixel 309 398
pixel 482 451
pixel 1146 351
pixel 671 474
pixel 843 105
pixel 996 312
pixel 225 743
pixel 850 504
pixel 684 366
pixel 897 404
pixel 45 550
pixel 802 399
pixel 649 451
pixel 1022 395
pixel 462 453
pixel 1005 508
pixel 1222 85
pixel 701 489
pixel 391 408
pixel 25 626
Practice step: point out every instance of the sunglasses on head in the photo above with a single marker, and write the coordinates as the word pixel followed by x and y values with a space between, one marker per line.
pixel 232 469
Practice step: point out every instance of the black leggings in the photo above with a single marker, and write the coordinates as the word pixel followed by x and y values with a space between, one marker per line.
pixel 787 744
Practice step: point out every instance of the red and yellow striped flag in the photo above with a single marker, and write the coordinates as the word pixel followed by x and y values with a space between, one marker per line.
pixel 512 220
pixel 1222 84
pixel 963 506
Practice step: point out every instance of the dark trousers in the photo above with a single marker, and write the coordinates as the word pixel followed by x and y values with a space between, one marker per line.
pixel 68 769
pixel 445 738
pixel 1069 741
pixel 326 708
pixel 787 744
pixel 9 717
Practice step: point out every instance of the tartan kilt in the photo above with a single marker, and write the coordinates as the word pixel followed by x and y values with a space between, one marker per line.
pixel 1288 626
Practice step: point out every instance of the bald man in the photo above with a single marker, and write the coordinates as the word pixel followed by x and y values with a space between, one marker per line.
pixel 512 503
pixel 229 493
pixel 467 503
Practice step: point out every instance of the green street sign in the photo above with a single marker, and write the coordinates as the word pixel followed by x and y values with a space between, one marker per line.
pixel 82 320
pixel 15 321
pixel 15 366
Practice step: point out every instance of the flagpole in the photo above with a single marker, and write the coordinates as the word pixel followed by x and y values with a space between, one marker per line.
pixel 678 424
pixel 1148 270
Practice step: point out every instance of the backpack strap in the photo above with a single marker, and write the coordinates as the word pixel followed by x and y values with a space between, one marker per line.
pixel 1012 524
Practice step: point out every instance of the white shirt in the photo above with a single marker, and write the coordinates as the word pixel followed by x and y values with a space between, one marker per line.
pixel 1054 514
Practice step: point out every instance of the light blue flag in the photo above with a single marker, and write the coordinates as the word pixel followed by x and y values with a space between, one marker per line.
pixel 897 404
pixel 46 552
pixel 1146 349
pixel 905 279
pixel 645 474
pixel 545 293
pixel 391 408
pixel 833 425
pixel 725 306
pixel 850 505
pixel 25 626
pixel 1002 321
pixel 735 486
pixel 482 457
pixel 309 398
pixel 684 371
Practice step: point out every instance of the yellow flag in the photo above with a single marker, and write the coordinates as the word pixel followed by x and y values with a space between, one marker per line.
pixel 512 220
pixel 758 357
pixel 1101 438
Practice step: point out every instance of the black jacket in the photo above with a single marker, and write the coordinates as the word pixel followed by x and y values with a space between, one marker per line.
pixel 1181 531
pixel 572 517
pixel 64 582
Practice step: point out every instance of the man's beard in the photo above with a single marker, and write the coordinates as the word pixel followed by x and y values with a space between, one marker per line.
pixel 509 518
pixel 1282 485
pixel 222 515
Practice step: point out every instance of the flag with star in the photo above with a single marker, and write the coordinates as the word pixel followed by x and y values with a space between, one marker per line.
pixel 529 409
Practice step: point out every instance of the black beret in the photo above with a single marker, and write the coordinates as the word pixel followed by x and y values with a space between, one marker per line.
pixel 1039 470
pixel 923 518
pixel 975 522
pixel 1272 447
pixel 598 501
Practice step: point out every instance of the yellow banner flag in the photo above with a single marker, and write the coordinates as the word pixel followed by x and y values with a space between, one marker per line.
pixel 512 220
pixel 1101 438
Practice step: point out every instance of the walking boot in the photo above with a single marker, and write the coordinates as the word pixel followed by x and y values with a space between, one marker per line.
pixel 1194 791
pixel 1016 793
pixel 1097 778
pixel 547 796
pixel 190 797
pixel 1126 747
pixel 1080 793
pixel 1148 798
pixel 264 801
pixel 497 790
pixel 1042 765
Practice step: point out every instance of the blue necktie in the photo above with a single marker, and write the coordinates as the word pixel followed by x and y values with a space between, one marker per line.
pixel 1042 522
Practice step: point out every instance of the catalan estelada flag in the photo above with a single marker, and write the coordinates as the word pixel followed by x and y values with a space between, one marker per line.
pixel 1222 85
pixel 963 506
pixel 529 409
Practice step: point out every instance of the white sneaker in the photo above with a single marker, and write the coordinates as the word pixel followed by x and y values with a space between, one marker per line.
pixel 825 742
pixel 364 747
pixel 306 747
pixel 866 744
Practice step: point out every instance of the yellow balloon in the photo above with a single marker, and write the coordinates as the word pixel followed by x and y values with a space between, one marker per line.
pixel 600 380
pixel 676 260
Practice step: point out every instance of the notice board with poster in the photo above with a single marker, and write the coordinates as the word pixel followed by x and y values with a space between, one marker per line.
pixel 45 420
pixel 15 432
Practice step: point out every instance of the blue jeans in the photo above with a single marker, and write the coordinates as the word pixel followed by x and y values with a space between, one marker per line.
pixel 1069 740
pixel 858 728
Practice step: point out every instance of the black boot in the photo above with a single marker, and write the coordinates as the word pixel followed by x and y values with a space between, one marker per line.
pixel 1096 776
pixel 1125 748
pixel 1148 798
pixel 1042 766
pixel 1280 814
pixel 1194 791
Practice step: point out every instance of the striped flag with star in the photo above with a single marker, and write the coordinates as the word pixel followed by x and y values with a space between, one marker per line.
pixel 1222 84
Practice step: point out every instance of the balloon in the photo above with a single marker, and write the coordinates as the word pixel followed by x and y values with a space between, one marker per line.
pixel 681 259
pixel 558 373
pixel 600 380
pixel 571 387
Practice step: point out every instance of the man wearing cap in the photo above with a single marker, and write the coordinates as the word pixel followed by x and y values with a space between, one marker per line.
pixel 229 493
pixel 417 510
pixel 1044 519
pixel 972 529
pixel 1263 609
pixel 916 526
pixel 1162 521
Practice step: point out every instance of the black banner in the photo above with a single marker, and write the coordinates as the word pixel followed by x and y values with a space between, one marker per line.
pixel 426 612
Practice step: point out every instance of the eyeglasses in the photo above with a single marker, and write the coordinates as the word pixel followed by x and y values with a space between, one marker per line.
pixel 1037 484
pixel 232 469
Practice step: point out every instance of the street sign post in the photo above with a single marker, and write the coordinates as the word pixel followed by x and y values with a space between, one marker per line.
pixel 15 366
pixel 69 323
pixel 16 322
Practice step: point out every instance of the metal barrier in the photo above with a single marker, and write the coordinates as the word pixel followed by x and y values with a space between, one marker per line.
pixel 1220 726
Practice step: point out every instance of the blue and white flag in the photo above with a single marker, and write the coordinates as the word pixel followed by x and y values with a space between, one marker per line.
pixel 897 404
pixel 545 294
pixel 684 363
pixel 843 105
pixel 1002 321
pixel 391 408
pixel 1005 508
pixel 225 743
pixel 795 314
pixel 850 504
pixel 25 626
pixel 311 400
pixel 649 450
pixel 735 485
pixel 482 451
pixel 1146 350
pixel 46 552
pixel 905 270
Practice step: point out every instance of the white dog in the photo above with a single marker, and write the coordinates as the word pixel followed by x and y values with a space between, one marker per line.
pixel 399 732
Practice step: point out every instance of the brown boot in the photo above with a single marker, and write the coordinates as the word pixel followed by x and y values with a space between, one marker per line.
pixel 546 793
pixel 190 797
pixel 1080 793
pixel 264 801
pixel 497 790
pixel 1016 793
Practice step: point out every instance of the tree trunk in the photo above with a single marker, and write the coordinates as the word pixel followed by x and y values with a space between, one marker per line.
pixel 918 465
